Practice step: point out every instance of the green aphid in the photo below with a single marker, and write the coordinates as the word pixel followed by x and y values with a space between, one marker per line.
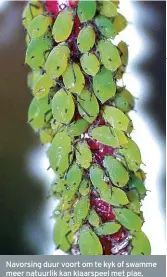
pixel 57 61
pixel 37 52
pixel 86 10
pixel 118 197
pixel 43 86
pixel 109 55
pixel 130 155
pixel 88 106
pixel 31 10
pixel 118 174
pixel 63 107
pixel 128 219
pixel 108 8
pixel 86 39
pixel 77 128
pixel 89 243
pixel 84 188
pixel 83 154
pixel 63 236
pixel 134 203
pixel 130 125
pixel 140 174
pixel 73 78
pixel 137 183
pixel 63 25
pixel 81 210
pixel 119 23
pixel 105 27
pixel 38 112
pixel 124 100
pixel 103 85
pixel 140 244
pixel 39 25
pixel 116 118
pixel 59 152
pixel 90 64
pixel 124 52
pixel 58 187
pixel 94 219
pixel 46 135
pixel 109 136
pixel 108 228
pixel 32 78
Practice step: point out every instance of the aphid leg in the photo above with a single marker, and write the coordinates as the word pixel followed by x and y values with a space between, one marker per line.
pixel 45 115
pixel 79 104
pixel 44 54
pixel 66 236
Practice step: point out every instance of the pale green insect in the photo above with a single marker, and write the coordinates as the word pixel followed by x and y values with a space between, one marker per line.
pixel 63 237
pixel 31 10
pixel 90 64
pixel 63 25
pixel 76 128
pixel 140 174
pixel 86 39
pixel 140 244
pixel 94 219
pixel 46 135
pixel 81 210
pixel 63 107
pixel 108 8
pixel 123 48
pixel 84 188
pixel 43 86
pixel 130 155
pixel 116 118
pixel 86 10
pixel 109 136
pixel 37 52
pixel 58 187
pixel 134 204
pixel 32 78
pixel 124 100
pixel 59 152
pixel 108 228
pixel 119 23
pixel 83 154
pixel 118 174
pixel 57 61
pixel 105 26
pixel 73 78
pixel 130 125
pixel 128 219
pixel 118 197
pixel 103 85
pixel 89 243
pixel 137 183
pixel 39 25
pixel 38 112
pixel 109 55
pixel 88 106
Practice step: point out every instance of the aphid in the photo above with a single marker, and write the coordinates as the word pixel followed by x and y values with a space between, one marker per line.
pixel 57 61
pixel 116 118
pixel 37 52
pixel 38 112
pixel 103 85
pixel 32 78
pixel 88 106
pixel 109 55
pixel 128 219
pixel 31 10
pixel 89 243
pixel 86 10
pixel 123 48
pixel 108 228
pixel 94 219
pixel 105 26
pixel 43 86
pixel 118 174
pixel 84 188
pixel 86 39
pixel 108 8
pixel 124 100
pixel 130 155
pixel 136 183
pixel 46 135
pixel 39 25
pixel 63 25
pixel 76 128
pixel 81 210
pixel 119 23
pixel 63 106
pixel 90 64
pixel 140 244
pixel 134 204
pixel 83 154
pixel 59 152
pixel 73 78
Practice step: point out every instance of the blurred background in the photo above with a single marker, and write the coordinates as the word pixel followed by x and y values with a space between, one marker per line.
pixel 24 180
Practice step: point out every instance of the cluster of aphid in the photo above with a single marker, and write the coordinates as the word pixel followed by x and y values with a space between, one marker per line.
pixel 81 111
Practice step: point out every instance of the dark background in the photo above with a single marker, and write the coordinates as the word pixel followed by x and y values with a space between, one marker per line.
pixel 21 194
